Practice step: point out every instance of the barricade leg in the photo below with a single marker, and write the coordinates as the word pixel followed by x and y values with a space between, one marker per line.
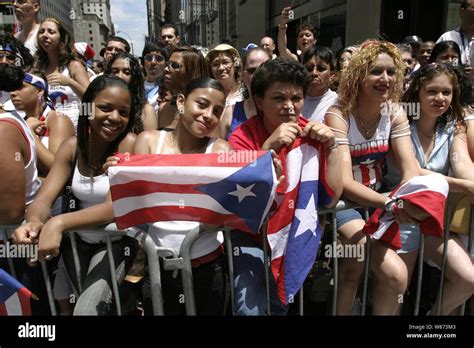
pixel 445 254
pixel 49 288
pixel 335 266
pixel 113 275
pixel 419 279
pixel 470 249
pixel 77 264
pixel 366 269
pixel 266 265
pixel 230 265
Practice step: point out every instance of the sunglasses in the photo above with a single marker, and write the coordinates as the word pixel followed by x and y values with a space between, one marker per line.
pixel 251 71
pixel 8 56
pixel 158 57
pixel 173 65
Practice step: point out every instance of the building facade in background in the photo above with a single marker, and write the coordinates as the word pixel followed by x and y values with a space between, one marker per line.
pixel 49 8
pixel 92 23
pixel 161 12
pixel 340 22
pixel 60 10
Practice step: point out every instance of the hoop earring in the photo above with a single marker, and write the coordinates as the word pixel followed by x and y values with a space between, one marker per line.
pixel 179 112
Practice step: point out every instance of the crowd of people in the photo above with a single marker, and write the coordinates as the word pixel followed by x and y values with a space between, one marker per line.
pixel 383 114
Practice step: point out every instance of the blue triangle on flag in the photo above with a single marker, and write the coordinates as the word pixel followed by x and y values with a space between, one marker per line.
pixel 246 192
pixel 8 286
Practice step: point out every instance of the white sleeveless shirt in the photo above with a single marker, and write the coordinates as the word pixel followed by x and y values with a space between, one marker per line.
pixel 65 100
pixel 32 182
pixel 170 234
pixel 90 191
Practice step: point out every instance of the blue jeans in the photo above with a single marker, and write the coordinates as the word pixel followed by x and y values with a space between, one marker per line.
pixel 249 279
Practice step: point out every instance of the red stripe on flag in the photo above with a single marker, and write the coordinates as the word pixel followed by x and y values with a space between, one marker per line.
pixel 278 274
pixel 141 187
pixel 173 213
pixel 24 295
pixel 3 310
pixel 233 159
pixel 281 217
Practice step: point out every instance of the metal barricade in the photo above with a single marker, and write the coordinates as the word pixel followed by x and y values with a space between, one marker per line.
pixel 4 229
pixel 341 206
pixel 172 261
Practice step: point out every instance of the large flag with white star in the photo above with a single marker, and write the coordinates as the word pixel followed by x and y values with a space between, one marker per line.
pixel 226 189
pixel 293 230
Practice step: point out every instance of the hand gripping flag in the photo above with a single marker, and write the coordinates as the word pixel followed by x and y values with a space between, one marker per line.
pixel 14 297
pixel 293 230
pixel 428 193
pixel 227 189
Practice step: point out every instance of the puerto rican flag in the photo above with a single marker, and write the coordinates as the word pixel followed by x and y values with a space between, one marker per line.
pixel 293 230
pixel 14 297
pixel 226 189
pixel 429 193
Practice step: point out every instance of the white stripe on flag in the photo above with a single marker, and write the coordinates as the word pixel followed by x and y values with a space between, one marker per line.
pixel 278 242
pixel 310 163
pixel 128 204
pixel 13 305
pixel 384 224
pixel 170 175
pixel 293 168
pixel 433 182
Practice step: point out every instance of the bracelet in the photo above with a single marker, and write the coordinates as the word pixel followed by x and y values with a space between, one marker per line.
pixel 334 146
pixel 280 27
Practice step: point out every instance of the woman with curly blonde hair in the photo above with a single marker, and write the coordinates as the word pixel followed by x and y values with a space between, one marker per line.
pixel 369 123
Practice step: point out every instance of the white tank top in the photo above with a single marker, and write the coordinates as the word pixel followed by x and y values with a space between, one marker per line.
pixel 170 234
pixel 65 100
pixel 90 191
pixel 32 182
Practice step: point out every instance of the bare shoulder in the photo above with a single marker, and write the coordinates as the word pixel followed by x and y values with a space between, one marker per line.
pixel 220 145
pixel 128 143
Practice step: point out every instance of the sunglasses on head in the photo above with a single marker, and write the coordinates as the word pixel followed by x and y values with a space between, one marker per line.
pixel 158 57
pixel 8 56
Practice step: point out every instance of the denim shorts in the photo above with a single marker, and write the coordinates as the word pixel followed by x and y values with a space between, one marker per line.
pixel 410 238
pixel 345 216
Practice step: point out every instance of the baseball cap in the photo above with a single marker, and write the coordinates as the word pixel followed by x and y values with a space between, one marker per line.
pixel 85 50
pixel 250 46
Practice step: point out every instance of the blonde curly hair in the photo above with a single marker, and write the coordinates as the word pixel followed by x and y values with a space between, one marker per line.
pixel 358 70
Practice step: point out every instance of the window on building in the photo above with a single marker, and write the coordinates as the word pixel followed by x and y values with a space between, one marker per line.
pixel 90 32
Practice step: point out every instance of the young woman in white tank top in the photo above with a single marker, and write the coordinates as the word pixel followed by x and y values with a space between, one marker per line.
pixel 369 123
pixel 67 77
pixel 200 109
pixel 83 157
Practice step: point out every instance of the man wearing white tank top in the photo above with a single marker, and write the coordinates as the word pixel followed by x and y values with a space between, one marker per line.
pixel 27 13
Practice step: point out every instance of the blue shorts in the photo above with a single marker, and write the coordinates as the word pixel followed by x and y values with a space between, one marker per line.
pixel 345 216
pixel 410 238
